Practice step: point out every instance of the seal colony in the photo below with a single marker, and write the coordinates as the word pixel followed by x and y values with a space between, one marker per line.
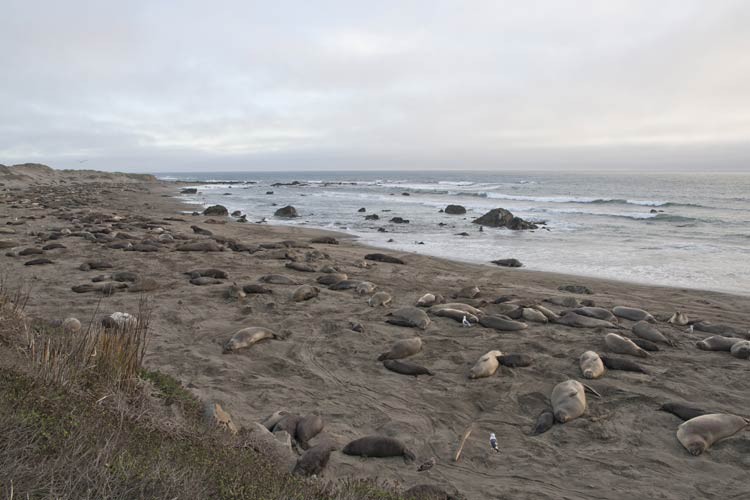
pixel 295 355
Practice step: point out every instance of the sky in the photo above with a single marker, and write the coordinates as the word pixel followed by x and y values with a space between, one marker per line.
pixel 158 86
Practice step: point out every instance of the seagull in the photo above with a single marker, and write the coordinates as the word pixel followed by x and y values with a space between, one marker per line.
pixel 465 322
pixel 690 329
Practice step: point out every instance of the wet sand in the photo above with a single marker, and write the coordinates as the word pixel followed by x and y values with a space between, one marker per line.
pixel 622 447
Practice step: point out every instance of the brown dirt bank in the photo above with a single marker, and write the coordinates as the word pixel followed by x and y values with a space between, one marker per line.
pixel 621 447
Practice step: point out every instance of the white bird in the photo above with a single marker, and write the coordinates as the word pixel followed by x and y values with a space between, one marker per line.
pixel 465 322
pixel 690 329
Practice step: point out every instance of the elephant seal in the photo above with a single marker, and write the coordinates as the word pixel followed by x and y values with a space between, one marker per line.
pixel 621 345
pixel 719 329
pixel 456 315
pixel 591 365
pixel 365 288
pixel 210 273
pixel 270 421
pixel 544 422
pixel 305 292
pixel 646 345
pixel 551 315
pixel 428 492
pixel 234 292
pixel 380 257
pixel 596 312
pixel 717 343
pixel 515 360
pixel 646 330
pixel 741 349
pixel 409 316
pixel 486 366
pixel 621 364
pixel 683 411
pixel 563 301
pixel 288 424
pixel 429 300
pixel 406 368
pixel 256 288
pixel 205 280
pixel 379 299
pixel 331 279
pixel 307 428
pixel 633 314
pixel 300 266
pixel 379 446
pixel 71 325
pixel 314 460
pixel 568 401
pixel 678 319
pixel 278 279
pixel 467 292
pixel 501 324
pixel 699 433
pixel 458 306
pixel 402 349
pixel 38 262
pixel 345 285
pixel 247 337
pixel 530 314
pixel 200 246
pixel 578 321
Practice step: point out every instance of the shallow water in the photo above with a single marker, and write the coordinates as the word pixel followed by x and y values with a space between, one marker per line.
pixel 684 230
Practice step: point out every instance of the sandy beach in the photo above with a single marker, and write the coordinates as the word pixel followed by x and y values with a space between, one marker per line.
pixel 622 447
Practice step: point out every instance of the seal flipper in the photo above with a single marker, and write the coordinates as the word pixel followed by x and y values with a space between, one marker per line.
pixel 592 390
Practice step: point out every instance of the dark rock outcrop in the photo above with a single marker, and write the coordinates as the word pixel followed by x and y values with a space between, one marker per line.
pixel 508 262
pixel 499 217
pixel 455 210
pixel 287 211
pixel 216 210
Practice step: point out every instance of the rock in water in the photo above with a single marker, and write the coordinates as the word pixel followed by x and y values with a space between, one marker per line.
pixel 507 262
pixel 455 210
pixel 499 217
pixel 216 210
pixel 287 211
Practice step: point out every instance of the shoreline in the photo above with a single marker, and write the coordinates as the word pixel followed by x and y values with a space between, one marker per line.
pixel 322 366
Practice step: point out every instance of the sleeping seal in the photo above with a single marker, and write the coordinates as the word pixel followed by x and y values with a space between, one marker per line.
pixel 402 349
pixel 331 279
pixel 633 314
pixel 278 279
pixel 699 433
pixel 307 428
pixel 486 366
pixel 247 337
pixel 409 316
pixel 646 330
pixel 717 343
pixel 621 364
pixel 379 299
pixel 621 345
pixel 305 292
pixel 429 300
pixel 568 401
pixel 314 460
pixel 366 288
pixel 683 411
pixel 578 321
pixel 741 349
pixel 456 315
pixel 406 368
pixel 596 312
pixel 530 314
pixel 379 446
pixel 591 365
pixel 501 324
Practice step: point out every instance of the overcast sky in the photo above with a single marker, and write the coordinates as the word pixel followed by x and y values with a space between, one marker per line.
pixel 225 85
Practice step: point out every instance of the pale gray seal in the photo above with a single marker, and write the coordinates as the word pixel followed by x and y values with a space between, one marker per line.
pixel 596 312
pixel 741 349
pixel 345 285
pixel 622 345
pixel 409 316
pixel 378 446
pixel 468 292
pixel 365 288
pixel 402 349
pixel 278 279
pixel 501 324
pixel 71 325
pixel 551 315
pixel 406 368
pixel 633 314
pixel 699 433
pixel 300 266
pixel 247 337
pixel 429 300
pixel 621 364
pixel 530 314
pixel 456 315
pixel 591 365
pixel 678 319
pixel 568 401
pixel 305 292
pixel 486 366
pixel 331 279
pixel 379 299
pixel 717 343
pixel 456 305
pixel 646 330
pixel 210 273
pixel 578 321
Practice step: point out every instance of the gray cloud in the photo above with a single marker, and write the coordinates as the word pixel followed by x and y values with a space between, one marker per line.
pixel 158 86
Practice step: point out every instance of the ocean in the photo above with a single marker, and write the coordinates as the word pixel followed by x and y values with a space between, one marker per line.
pixel 681 230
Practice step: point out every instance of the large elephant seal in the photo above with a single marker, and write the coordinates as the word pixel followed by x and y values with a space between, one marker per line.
pixel 305 292
pixel 314 460
pixel 486 366
pixel 621 345
pixel 621 364
pixel 591 365
pixel 646 330
pixel 568 401
pixel 633 314
pixel 699 433
pixel 429 300
pixel 579 321
pixel 378 446
pixel 717 343
pixel 307 428
pixel 409 316
pixel 741 349
pixel 596 312
pixel 501 324
pixel 683 411
pixel 380 299
pixel 406 368
pixel 402 349
pixel 456 305
pixel 456 315
pixel 247 337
